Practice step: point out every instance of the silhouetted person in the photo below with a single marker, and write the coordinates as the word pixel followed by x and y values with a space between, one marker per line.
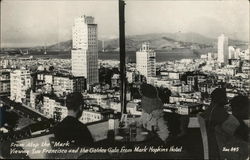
pixel 215 115
pixel 70 128
pixel 240 106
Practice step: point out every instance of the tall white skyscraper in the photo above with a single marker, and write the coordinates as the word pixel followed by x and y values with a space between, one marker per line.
pixel 223 49
pixel 231 52
pixel 20 82
pixel 145 61
pixel 84 53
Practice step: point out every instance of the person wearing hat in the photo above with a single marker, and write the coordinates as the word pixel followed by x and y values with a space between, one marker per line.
pixel 216 113
pixel 152 112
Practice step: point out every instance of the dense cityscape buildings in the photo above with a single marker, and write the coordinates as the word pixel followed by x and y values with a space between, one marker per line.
pixel 189 80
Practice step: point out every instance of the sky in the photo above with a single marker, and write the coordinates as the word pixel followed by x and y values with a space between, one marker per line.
pixel 27 23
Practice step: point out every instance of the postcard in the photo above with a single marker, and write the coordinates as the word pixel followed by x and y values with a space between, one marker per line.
pixel 124 79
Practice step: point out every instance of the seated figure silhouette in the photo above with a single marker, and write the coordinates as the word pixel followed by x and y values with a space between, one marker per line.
pixel 70 128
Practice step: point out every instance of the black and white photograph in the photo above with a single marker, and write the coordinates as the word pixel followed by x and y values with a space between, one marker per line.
pixel 125 79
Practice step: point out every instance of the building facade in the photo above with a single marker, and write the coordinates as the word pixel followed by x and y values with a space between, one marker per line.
pixel 145 61
pixel 20 82
pixel 223 49
pixel 54 108
pixel 4 82
pixel 90 116
pixel 63 84
pixel 84 53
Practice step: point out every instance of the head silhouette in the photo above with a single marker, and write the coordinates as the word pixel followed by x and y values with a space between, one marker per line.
pixel 74 103
pixel 219 97
pixel 240 106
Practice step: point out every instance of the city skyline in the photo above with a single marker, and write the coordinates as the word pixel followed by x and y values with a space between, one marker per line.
pixel 21 27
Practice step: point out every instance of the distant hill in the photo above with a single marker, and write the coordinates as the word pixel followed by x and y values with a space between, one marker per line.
pixel 158 41
pixel 65 46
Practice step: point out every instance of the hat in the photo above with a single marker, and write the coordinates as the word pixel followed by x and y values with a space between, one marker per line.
pixel 150 100
pixel 151 104
pixel 240 106
pixel 149 91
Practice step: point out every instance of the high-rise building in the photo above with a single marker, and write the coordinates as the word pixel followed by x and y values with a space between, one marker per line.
pixel 145 61
pixel 223 49
pixel 20 82
pixel 84 53
pixel 231 52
